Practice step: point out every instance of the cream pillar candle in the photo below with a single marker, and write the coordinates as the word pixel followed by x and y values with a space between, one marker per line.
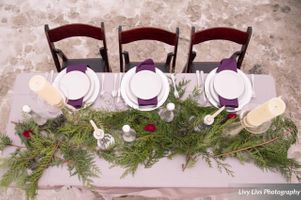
pixel 265 112
pixel 46 91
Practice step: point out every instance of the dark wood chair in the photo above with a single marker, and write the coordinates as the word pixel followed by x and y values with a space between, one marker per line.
pixel 218 33
pixel 75 30
pixel 148 33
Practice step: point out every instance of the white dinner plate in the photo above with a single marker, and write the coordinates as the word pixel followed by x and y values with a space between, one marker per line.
pixel 92 94
pixel 146 84
pixel 132 101
pixel 212 96
pixel 74 85
pixel 228 84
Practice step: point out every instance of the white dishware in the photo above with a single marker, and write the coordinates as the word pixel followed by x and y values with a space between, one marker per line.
pixel 146 84
pixel 132 101
pixel 228 84
pixel 75 85
pixel 176 93
pixel 212 96
pixel 92 94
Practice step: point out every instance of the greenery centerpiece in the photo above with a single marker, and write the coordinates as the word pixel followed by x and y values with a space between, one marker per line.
pixel 68 140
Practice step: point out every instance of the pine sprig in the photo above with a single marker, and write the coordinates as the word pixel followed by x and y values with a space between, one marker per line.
pixel 80 162
pixel 4 141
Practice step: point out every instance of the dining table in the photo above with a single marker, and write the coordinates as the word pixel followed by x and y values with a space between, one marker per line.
pixel 166 173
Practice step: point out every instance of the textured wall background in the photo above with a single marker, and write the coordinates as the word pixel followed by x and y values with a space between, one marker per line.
pixel 274 49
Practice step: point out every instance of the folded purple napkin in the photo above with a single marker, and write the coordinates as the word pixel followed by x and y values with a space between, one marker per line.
pixel 228 64
pixel 77 103
pixel 148 64
pixel 79 67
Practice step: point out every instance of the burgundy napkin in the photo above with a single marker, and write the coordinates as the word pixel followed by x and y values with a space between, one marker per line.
pixel 148 64
pixel 77 103
pixel 228 64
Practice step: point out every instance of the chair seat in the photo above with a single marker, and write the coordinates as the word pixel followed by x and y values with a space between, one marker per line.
pixel 96 64
pixel 161 66
pixel 204 66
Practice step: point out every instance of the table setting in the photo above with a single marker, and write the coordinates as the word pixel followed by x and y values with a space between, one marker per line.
pixel 143 120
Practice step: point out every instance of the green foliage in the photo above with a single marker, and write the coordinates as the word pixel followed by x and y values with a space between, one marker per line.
pixel 80 162
pixel 4 141
pixel 68 139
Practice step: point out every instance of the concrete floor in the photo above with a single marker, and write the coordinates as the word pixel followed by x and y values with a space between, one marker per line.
pixel 274 49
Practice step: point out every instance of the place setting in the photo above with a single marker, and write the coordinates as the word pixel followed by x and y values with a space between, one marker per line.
pixel 78 84
pixel 228 86
pixel 145 87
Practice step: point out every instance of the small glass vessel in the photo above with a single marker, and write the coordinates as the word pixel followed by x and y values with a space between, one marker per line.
pixel 35 116
pixel 106 142
pixel 128 134
pixel 167 114
pixel 200 126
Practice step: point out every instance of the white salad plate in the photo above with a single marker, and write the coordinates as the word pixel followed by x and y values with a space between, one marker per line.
pixel 212 95
pixel 228 84
pixel 146 84
pixel 93 91
pixel 74 85
pixel 132 100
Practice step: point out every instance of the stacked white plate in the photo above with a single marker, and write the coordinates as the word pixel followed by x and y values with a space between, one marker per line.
pixel 229 85
pixel 144 84
pixel 76 84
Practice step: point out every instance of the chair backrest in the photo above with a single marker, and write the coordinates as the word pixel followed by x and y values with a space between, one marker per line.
pixel 220 33
pixel 74 30
pixel 148 33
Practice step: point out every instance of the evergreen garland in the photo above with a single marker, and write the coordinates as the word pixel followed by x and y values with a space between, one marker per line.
pixel 68 139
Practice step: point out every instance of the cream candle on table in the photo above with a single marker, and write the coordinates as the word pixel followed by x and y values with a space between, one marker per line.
pixel 46 91
pixel 265 112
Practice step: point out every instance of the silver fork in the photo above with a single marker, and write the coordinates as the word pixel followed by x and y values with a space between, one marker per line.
pixel 253 85
pixel 114 92
pixel 176 93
